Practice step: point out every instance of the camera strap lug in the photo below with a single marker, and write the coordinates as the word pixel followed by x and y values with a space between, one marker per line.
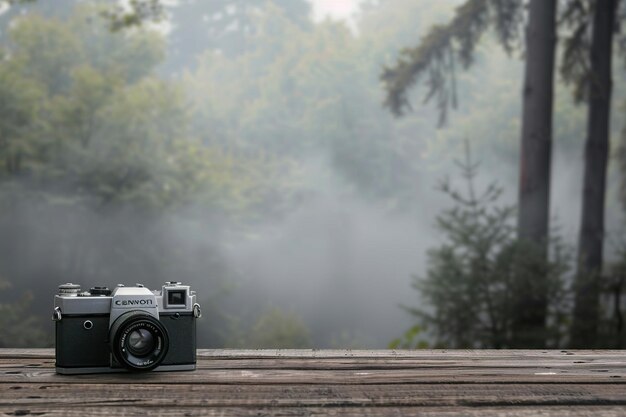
pixel 56 314
pixel 197 313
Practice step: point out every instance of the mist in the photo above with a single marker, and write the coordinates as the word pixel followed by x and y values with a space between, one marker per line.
pixel 250 156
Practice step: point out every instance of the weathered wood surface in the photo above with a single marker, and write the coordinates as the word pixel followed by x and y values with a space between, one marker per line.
pixel 329 382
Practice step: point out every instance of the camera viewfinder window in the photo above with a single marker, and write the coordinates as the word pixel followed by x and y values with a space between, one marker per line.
pixel 176 298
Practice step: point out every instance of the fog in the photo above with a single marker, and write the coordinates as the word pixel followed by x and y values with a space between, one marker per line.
pixel 254 161
pixel 342 264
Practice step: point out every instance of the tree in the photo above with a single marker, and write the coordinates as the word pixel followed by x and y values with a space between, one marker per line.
pixel 19 106
pixel 301 98
pixel 535 157
pixel 481 273
pixel 435 58
pixel 227 26
pixel 595 83
pixel 12 9
pixel 197 26
pixel 101 175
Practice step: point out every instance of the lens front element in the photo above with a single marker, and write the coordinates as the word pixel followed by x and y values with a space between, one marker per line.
pixel 138 341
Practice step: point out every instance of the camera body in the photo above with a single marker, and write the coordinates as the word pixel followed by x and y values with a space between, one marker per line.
pixel 125 329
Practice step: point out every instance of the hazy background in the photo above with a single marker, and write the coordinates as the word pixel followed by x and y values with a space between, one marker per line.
pixel 242 148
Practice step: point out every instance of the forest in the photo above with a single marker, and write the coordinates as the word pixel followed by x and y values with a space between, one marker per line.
pixel 415 173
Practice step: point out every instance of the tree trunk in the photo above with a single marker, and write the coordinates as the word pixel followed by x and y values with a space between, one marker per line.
pixel 536 143
pixel 586 311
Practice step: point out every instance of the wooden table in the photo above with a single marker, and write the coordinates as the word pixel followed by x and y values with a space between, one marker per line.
pixel 329 382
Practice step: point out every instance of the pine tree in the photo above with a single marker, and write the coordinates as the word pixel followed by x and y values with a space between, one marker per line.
pixel 591 72
pixel 435 58
pixel 480 275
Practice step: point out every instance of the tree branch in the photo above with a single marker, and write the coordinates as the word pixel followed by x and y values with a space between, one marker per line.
pixel 434 57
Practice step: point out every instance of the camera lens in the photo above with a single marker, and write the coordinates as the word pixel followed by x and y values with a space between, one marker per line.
pixel 138 341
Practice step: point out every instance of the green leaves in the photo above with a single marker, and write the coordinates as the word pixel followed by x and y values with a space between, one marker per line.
pixel 19 105
pixel 85 118
pixel 99 155
pixel 47 50
pixel 409 340
pixel 134 13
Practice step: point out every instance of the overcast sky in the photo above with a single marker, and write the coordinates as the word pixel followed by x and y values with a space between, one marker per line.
pixel 338 9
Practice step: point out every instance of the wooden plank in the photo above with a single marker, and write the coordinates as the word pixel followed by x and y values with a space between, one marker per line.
pixel 176 410
pixel 400 353
pixel 207 360
pixel 312 383
pixel 530 354
pixel 299 376
pixel 366 363
pixel 400 395
pixel 474 367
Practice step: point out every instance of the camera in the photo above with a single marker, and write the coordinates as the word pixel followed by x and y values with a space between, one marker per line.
pixel 125 329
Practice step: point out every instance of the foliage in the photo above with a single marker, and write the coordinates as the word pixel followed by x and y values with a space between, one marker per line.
pixel 212 23
pixel 112 132
pixel 20 328
pixel 101 175
pixel 409 340
pixel 274 329
pixel 612 329
pixel 279 330
pixel 576 18
pixel 576 22
pixel 478 280
pixel 228 27
pixel 436 55
pixel 621 158
pixel 134 13
pixel 19 106
pixel 277 100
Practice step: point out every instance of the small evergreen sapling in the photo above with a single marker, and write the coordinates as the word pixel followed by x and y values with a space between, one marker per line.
pixel 480 280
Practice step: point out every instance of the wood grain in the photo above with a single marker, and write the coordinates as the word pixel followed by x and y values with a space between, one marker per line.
pixel 329 382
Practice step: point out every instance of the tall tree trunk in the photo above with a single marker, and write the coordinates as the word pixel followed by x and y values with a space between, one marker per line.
pixel 536 143
pixel 586 311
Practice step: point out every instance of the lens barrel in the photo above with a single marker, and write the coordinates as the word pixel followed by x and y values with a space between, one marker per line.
pixel 139 341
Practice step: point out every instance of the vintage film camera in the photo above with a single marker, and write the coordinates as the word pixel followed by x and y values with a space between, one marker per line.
pixel 125 329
